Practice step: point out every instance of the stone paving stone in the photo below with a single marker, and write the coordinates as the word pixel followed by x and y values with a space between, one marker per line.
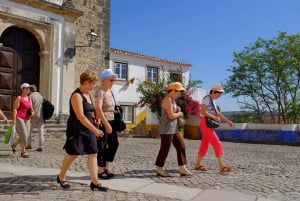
pixel 267 171
pixel 223 195
pixel 171 191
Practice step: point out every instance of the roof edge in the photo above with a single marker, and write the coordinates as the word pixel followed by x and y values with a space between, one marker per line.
pixel 143 56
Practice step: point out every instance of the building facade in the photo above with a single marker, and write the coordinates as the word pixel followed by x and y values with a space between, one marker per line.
pixel 44 42
pixel 133 69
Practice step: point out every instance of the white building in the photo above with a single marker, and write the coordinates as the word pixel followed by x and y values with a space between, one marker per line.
pixel 133 69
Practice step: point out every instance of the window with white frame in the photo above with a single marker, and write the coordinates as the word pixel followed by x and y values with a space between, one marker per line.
pixel 152 74
pixel 121 70
pixel 127 113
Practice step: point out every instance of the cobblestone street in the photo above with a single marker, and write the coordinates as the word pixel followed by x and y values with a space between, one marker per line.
pixel 269 171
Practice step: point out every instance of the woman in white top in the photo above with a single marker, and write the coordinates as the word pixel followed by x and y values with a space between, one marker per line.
pixel 209 136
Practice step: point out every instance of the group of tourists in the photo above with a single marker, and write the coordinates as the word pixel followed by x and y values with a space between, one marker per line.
pixel 91 129
pixel 168 130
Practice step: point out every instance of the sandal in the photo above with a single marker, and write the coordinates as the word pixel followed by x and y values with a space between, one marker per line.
pixel 98 186
pixel 13 148
pixel 109 174
pixel 103 175
pixel 201 168
pixel 25 155
pixel 186 173
pixel 225 169
pixel 63 184
pixel 163 174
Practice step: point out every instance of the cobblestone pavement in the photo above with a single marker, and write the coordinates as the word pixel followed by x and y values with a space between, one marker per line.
pixel 269 171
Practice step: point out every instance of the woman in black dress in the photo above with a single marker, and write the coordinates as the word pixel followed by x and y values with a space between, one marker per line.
pixel 81 133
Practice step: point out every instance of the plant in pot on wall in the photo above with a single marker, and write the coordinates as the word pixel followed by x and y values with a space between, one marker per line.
pixel 151 96
pixel 153 93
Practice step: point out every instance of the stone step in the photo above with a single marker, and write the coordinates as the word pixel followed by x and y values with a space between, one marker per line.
pixel 55 125
pixel 50 127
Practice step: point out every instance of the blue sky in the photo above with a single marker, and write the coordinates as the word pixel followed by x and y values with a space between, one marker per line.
pixel 204 33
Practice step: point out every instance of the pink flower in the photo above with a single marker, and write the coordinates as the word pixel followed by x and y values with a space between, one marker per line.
pixel 153 101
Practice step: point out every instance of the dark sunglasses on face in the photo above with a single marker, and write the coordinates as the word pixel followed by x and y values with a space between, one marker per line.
pixel 217 92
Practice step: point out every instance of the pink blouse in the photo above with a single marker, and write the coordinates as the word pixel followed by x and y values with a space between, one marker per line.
pixel 23 107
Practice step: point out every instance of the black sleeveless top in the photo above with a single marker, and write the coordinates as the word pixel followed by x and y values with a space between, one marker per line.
pixel 80 140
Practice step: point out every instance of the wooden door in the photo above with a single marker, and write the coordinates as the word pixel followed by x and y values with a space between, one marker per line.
pixel 19 63
pixel 8 67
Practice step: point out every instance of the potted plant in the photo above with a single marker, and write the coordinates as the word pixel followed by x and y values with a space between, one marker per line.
pixel 153 93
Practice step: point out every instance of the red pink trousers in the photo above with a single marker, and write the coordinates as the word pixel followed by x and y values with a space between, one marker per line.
pixel 209 137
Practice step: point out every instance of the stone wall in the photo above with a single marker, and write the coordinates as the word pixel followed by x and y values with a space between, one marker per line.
pixel 96 15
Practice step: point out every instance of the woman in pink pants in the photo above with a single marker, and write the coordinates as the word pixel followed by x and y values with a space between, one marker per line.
pixel 209 136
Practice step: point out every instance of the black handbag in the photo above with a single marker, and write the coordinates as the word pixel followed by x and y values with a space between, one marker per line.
pixel 209 121
pixel 119 124
pixel 29 112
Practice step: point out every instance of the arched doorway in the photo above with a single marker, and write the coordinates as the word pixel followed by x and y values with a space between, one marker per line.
pixel 19 62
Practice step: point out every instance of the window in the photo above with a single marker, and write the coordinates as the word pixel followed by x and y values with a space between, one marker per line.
pixel 175 77
pixel 121 70
pixel 127 113
pixel 152 73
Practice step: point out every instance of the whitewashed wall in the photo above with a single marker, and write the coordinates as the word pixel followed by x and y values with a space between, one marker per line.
pixel 126 93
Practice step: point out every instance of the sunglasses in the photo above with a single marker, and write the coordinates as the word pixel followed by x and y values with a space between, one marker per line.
pixel 217 92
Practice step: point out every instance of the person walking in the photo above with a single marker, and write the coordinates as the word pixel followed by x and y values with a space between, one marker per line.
pixel 37 119
pixel 81 134
pixel 2 115
pixel 209 136
pixel 22 112
pixel 105 111
pixel 168 129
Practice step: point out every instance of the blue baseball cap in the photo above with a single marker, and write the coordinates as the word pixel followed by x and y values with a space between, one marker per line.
pixel 107 73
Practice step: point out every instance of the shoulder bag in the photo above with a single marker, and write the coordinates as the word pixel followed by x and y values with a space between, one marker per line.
pixel 211 123
pixel 119 124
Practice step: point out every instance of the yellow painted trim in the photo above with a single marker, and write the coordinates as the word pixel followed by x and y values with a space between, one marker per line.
pixel 191 132
pixel 129 126
pixel 140 117
pixel 153 130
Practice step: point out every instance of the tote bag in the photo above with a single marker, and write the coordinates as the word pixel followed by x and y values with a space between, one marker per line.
pixel 8 134
pixel 13 136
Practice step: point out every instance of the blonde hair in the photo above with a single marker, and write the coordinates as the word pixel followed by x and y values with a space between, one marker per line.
pixel 89 76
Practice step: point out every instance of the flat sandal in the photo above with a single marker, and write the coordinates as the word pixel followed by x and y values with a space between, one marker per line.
pixel 13 148
pixel 201 168
pixel 163 174
pixel 225 169
pixel 25 155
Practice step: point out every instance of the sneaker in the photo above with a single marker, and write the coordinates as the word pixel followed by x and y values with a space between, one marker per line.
pixel 39 149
